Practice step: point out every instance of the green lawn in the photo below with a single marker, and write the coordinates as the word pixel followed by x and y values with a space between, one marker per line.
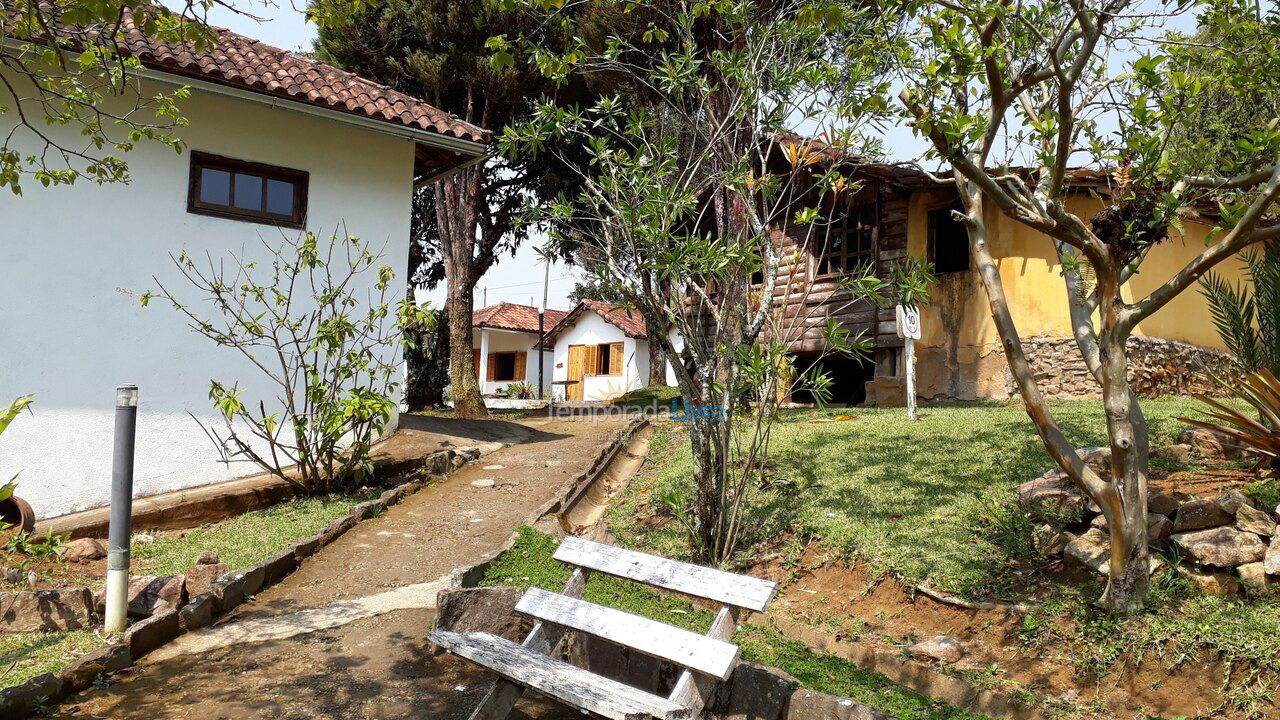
pixel 529 563
pixel 245 539
pixel 918 499
pixel 927 500
pixel 26 655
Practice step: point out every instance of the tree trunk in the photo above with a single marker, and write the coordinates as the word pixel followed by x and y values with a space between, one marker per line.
pixel 657 366
pixel 457 213
pixel 467 400
pixel 1130 567
pixel 1123 500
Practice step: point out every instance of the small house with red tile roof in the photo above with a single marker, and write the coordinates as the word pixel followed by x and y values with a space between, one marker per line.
pixel 275 143
pixel 505 343
pixel 601 351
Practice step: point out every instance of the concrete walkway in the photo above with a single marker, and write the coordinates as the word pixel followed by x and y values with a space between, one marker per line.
pixel 344 637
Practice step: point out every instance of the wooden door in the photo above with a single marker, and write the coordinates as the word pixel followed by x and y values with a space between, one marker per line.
pixel 577 370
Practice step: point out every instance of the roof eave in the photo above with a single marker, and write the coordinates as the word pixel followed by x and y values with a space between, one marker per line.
pixel 436 140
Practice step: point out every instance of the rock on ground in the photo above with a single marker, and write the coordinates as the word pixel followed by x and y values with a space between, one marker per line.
pixel 150 594
pixel 42 610
pixel 1211 583
pixel 1093 550
pixel 1251 519
pixel 1223 547
pixel 200 577
pixel 84 550
pixel 1233 501
pixel 943 648
pixel 1255 577
pixel 1212 445
pixel 1271 561
pixel 1200 514
pixel 1053 489
pixel 1162 504
pixel 487 609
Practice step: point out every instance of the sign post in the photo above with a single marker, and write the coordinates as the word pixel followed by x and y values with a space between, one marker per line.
pixel 909 330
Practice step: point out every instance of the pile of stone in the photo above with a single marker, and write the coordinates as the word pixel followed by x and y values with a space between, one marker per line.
pixel 1227 542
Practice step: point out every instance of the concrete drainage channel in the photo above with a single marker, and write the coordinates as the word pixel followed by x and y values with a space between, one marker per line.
pixel 228 592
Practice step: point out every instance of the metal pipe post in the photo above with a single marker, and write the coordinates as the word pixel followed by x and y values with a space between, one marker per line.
pixel 121 510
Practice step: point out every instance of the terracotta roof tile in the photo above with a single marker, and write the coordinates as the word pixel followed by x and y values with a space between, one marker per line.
pixel 628 321
pixel 509 316
pixel 238 61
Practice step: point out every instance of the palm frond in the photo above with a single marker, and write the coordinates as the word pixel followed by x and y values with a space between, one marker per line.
pixel 1234 310
pixel 1260 435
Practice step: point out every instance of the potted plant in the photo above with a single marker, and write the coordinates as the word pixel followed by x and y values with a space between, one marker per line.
pixel 15 513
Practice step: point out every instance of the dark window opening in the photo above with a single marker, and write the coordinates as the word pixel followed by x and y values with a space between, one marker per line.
pixel 504 367
pixel 848 375
pixel 948 242
pixel 241 190
pixel 850 241
pixel 608 360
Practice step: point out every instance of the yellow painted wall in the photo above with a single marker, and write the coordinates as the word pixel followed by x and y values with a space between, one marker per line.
pixel 960 352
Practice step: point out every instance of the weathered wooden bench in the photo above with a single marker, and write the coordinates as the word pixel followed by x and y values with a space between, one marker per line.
pixel 705 659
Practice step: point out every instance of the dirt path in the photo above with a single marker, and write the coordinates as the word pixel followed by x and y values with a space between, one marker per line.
pixel 344 637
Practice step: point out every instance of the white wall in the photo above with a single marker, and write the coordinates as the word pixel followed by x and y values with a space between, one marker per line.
pixel 591 329
pixel 513 341
pixel 76 258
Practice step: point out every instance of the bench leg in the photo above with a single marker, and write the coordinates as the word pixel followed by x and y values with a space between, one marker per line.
pixel 694 691
pixel 504 694
pixel 499 701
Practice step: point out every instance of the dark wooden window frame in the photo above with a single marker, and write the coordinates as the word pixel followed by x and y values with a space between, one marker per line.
pixel 932 229
pixel 514 370
pixel 299 178
pixel 849 224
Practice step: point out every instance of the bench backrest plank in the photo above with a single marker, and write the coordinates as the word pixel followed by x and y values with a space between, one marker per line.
pixel 703 654
pixel 728 588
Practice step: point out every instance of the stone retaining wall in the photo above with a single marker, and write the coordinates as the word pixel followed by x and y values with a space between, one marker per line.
pixel 1157 367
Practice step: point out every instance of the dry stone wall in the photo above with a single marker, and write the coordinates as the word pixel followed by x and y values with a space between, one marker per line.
pixel 1157 367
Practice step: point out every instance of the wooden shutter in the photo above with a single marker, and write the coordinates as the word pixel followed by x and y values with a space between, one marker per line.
pixel 591 359
pixel 492 368
pixel 615 359
pixel 520 361
pixel 475 362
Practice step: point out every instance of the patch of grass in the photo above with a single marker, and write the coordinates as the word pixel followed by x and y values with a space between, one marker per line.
pixel 908 497
pixel 1266 493
pixel 33 654
pixel 245 539
pixel 652 396
pixel 529 563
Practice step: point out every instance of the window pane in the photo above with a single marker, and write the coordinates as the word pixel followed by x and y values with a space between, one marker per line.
pixel 280 197
pixel 248 192
pixel 215 186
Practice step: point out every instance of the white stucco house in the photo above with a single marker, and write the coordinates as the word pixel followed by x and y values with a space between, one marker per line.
pixel 275 143
pixel 505 342
pixel 601 352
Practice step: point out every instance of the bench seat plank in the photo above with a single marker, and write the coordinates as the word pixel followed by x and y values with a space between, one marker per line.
pixel 560 680
pixel 700 653
pixel 741 591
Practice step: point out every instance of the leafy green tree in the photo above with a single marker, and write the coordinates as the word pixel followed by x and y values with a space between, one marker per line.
pixel 681 196
pixel 318 323
pixel 438 50
pixel 994 85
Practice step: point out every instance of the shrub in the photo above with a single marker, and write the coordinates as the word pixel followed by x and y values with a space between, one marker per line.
pixel 319 325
